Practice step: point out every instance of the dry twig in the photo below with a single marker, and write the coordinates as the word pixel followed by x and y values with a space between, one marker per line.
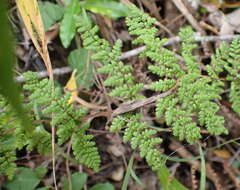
pixel 130 106
pixel 193 178
pixel 134 52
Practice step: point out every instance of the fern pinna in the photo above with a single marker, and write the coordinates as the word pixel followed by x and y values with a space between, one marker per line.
pixel 227 60
pixel 7 149
pixel 64 117
pixel 196 94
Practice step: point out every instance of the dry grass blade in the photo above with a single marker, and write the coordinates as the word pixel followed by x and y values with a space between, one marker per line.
pixel 32 19
pixel 30 14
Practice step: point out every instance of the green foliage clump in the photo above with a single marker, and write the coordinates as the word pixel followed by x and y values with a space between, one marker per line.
pixel 64 117
pixel 120 76
pixel 84 148
pixel 7 161
pixel 140 137
pixel 141 25
pixel 13 137
pixel 193 103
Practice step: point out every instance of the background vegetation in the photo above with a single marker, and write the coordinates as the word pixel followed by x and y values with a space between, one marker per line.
pixel 67 118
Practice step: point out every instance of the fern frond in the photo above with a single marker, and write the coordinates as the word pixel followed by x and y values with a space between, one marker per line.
pixel 188 45
pixel 142 26
pixel 120 76
pixel 65 118
pixel 140 137
pixel 121 80
pixel 85 149
pixel 235 96
pixel 7 162
pixel 9 138
pixel 227 59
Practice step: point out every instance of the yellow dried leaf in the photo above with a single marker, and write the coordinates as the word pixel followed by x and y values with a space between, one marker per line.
pixel 222 153
pixel 71 86
pixel 30 14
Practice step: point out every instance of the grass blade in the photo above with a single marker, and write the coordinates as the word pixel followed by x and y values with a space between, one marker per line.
pixel 167 181
pixel 203 170
pixel 128 173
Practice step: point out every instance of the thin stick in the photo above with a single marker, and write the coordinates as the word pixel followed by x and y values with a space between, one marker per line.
pixel 67 165
pixel 172 40
pixel 53 146
pixel 134 52
pixel 44 74
pixel 181 7
pixel 131 105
